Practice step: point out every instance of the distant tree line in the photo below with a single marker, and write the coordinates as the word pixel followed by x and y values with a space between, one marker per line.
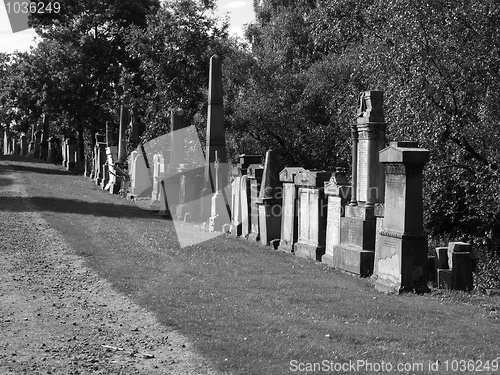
pixel 291 85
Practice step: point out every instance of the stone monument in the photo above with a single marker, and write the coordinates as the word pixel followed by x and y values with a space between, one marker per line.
pixel 254 175
pixel 401 255
pixel 312 214
pixel 216 137
pixel 44 144
pixel 355 253
pixel 289 214
pixel 219 213
pixel 244 215
pixel 270 200
pixel 338 193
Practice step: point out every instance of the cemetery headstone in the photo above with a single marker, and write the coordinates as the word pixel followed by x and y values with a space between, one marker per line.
pixel 124 123
pixel 71 147
pixel 270 200
pixel 219 213
pixel 54 149
pixel 355 253
pixel 289 214
pixel 24 145
pixel 254 175
pixel 338 193
pixel 44 143
pixel 401 255
pixel 312 214
pixel 241 219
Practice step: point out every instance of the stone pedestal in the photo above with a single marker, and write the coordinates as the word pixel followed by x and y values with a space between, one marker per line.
pixel 289 214
pixel 312 214
pixel 401 255
pixel 338 193
pixel 254 176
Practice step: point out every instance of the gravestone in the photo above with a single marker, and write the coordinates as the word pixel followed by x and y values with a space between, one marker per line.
pixel 401 255
pixel 235 227
pixel 113 184
pixel 171 178
pixel 44 143
pixel 100 158
pixel 355 253
pixel 124 123
pixel 254 175
pixel 38 140
pixel 24 145
pixel 158 168
pixel 216 138
pixel 16 146
pixel 219 213
pixel 270 200
pixel 312 214
pixel 54 149
pixel 240 211
pixel 338 193
pixel 289 214
pixel 7 144
pixel 71 147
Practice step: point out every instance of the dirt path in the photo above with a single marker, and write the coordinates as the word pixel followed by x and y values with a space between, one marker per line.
pixel 56 315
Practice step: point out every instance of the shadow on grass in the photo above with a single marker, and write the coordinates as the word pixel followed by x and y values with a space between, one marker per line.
pixel 25 168
pixel 74 206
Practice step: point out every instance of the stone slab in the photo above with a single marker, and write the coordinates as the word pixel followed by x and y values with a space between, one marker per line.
pixel 309 251
pixel 357 232
pixel 353 260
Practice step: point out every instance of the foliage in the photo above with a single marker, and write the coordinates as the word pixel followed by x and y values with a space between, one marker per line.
pixel 173 52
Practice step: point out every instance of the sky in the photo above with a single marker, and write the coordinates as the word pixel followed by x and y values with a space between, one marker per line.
pixel 240 12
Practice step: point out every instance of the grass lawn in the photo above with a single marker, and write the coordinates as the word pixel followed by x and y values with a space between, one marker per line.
pixel 253 310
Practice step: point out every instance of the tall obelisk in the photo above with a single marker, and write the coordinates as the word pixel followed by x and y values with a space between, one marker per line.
pixel 216 136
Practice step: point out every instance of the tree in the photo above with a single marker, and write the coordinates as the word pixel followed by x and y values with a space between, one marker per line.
pixel 173 53
pixel 84 48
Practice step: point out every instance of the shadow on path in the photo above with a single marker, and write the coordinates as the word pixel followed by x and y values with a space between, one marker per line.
pixel 45 167
pixel 74 206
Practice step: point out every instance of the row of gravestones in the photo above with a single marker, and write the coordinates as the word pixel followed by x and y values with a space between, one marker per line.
pixel 42 146
pixel 104 168
pixel 371 225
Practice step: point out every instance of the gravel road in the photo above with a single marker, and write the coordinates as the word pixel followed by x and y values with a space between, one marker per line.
pixel 56 315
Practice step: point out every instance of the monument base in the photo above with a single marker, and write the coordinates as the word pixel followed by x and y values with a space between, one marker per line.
pixel 285 246
pixel 253 236
pixel 385 286
pixel 235 230
pixel 303 250
pixel 270 224
pixel 184 212
pixel 350 259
